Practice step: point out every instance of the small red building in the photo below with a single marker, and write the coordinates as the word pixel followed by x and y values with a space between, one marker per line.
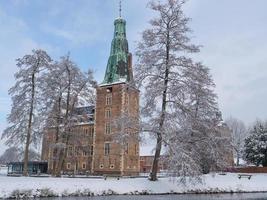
pixel 146 164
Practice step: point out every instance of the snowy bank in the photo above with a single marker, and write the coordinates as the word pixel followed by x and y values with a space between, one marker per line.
pixel 36 187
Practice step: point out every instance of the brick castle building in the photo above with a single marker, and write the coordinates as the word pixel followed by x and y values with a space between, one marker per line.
pixel 94 148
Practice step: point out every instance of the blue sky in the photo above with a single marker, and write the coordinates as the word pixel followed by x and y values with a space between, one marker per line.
pixel 233 35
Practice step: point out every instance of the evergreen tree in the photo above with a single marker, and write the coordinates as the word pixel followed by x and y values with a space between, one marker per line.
pixel 256 145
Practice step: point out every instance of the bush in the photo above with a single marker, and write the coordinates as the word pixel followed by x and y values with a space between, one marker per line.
pixel 46 192
pixel 21 194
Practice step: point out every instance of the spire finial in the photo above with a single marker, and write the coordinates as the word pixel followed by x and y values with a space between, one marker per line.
pixel 120 9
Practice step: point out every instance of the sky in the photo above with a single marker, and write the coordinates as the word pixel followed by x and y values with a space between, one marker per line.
pixel 232 34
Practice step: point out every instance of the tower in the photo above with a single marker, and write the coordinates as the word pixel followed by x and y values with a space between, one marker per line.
pixel 116 96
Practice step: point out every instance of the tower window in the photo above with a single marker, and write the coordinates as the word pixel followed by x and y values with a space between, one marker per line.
pixel 109 99
pixel 107 149
pixel 108 113
pixel 107 128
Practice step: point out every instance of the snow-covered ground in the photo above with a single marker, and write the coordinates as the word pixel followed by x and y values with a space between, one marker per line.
pixel 3 171
pixel 88 186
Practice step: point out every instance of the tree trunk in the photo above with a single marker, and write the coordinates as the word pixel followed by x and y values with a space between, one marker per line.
pixel 62 156
pixel 67 139
pixel 153 174
pixel 62 152
pixel 56 152
pixel 29 131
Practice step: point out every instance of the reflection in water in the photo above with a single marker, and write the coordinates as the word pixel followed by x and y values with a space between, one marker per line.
pixel 244 196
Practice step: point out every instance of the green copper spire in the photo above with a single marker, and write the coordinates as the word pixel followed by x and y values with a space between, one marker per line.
pixel 119 62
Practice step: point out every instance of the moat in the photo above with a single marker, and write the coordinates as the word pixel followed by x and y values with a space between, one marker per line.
pixel 243 196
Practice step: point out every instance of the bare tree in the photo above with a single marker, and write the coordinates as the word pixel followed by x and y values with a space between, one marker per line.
pixel 67 87
pixel 126 128
pixel 24 122
pixel 161 54
pixel 180 106
pixel 196 138
pixel 239 133
pixel 53 92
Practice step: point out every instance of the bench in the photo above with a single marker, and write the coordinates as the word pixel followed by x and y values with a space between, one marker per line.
pixel 117 176
pixel 244 176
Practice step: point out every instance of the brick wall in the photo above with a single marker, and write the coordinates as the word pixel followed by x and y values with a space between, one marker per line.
pixel 117 161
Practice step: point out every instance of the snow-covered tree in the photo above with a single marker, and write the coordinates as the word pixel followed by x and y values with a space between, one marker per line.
pixel 14 154
pixel 66 88
pixel 10 155
pixel 126 129
pixel 24 119
pixel 239 133
pixel 160 56
pixel 256 144
pixel 179 104
pixel 198 141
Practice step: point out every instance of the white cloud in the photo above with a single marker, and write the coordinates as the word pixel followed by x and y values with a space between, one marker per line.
pixel 238 66
pixel 15 42
pixel 4 104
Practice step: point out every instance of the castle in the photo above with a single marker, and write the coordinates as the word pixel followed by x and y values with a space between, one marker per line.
pixel 93 147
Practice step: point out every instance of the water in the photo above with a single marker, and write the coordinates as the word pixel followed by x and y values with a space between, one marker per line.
pixel 243 196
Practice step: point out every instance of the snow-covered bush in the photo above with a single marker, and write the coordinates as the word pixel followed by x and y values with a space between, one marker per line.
pixel 78 193
pixel 21 194
pixel 46 192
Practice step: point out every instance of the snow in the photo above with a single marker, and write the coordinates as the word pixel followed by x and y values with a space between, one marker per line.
pixel 241 161
pixel 147 150
pixel 121 80
pixel 3 171
pixel 69 186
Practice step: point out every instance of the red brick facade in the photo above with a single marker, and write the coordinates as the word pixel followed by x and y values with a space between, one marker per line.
pixel 109 155
pixel 146 164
